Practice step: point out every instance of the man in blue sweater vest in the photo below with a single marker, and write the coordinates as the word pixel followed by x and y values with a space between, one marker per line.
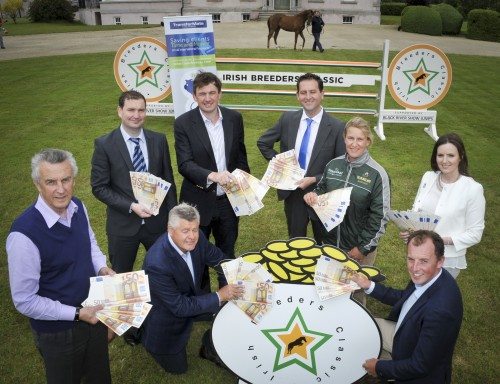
pixel 52 253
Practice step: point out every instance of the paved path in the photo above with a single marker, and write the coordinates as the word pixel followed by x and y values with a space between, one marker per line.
pixel 243 35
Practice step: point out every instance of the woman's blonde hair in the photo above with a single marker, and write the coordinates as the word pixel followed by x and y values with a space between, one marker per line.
pixel 362 124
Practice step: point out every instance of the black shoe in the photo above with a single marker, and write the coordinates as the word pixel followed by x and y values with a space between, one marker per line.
pixel 131 340
pixel 322 50
pixel 214 358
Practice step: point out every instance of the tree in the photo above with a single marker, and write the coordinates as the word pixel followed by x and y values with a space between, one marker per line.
pixel 50 10
pixel 12 8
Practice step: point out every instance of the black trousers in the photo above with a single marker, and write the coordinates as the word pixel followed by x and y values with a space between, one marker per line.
pixel 316 41
pixel 224 228
pixel 76 355
pixel 297 218
pixel 123 249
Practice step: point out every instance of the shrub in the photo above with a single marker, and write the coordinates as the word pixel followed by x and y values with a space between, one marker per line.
pixel 418 19
pixel 483 24
pixel 467 5
pixel 452 19
pixel 50 10
pixel 453 3
pixel 391 9
pixel 417 2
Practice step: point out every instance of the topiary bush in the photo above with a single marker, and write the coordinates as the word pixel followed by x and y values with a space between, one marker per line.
pixel 483 24
pixel 392 9
pixel 50 10
pixel 467 5
pixel 452 19
pixel 424 20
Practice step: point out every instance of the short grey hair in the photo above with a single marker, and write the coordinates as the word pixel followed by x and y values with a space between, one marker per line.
pixel 182 211
pixel 51 156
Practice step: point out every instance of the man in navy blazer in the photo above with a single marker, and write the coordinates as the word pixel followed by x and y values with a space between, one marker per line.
pixel 129 223
pixel 174 265
pixel 325 143
pixel 425 318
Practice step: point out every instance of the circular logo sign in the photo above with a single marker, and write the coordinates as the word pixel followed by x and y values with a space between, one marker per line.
pixel 300 338
pixel 419 76
pixel 141 64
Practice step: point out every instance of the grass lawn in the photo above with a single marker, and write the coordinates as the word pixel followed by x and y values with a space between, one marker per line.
pixel 69 107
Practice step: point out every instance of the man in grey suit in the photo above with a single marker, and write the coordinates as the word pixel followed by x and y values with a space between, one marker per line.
pixel 316 138
pixel 127 148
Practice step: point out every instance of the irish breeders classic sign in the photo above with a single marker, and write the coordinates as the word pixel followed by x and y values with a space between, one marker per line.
pixel 302 339
pixel 419 76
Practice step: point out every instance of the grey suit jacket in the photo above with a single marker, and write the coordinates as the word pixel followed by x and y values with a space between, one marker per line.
pixel 110 181
pixel 329 142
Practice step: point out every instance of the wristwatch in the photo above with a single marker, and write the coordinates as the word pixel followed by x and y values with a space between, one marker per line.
pixel 77 314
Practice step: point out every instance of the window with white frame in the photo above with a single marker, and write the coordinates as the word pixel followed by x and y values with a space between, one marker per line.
pixel 118 20
pixel 246 16
pixel 144 20
pixel 216 17
pixel 347 19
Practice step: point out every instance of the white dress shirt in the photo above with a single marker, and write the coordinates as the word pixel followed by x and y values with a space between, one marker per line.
pixel 312 138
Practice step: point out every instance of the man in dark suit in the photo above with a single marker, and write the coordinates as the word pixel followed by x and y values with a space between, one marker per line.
pixel 175 265
pixel 323 142
pixel 129 223
pixel 423 325
pixel 209 143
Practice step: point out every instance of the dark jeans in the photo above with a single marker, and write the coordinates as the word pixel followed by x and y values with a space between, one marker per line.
pixel 316 41
pixel 75 355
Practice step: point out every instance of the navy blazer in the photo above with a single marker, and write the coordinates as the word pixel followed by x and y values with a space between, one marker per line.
pixel 176 299
pixel 196 159
pixel 110 181
pixel 329 143
pixel 423 345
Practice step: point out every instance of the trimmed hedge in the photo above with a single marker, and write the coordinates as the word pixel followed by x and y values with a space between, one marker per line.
pixel 468 5
pixel 391 9
pixel 424 20
pixel 483 24
pixel 452 19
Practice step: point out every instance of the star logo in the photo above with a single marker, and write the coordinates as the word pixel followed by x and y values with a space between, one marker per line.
pixel 146 70
pixel 420 78
pixel 296 343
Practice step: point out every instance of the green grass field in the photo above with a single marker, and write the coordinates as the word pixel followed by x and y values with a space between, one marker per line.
pixel 68 101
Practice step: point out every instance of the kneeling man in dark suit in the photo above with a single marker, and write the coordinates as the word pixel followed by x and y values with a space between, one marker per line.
pixel 175 265
pixel 423 325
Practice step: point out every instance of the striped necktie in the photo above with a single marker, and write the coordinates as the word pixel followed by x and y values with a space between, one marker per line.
pixel 305 144
pixel 138 158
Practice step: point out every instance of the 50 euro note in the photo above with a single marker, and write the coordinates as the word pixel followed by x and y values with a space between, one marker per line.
pixel 242 197
pixel 255 311
pixel 283 176
pixel 149 190
pixel 117 326
pixel 332 278
pixel 121 288
pixel 332 206
pixel 257 292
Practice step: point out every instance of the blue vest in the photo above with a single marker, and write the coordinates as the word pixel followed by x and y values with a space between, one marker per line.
pixel 65 258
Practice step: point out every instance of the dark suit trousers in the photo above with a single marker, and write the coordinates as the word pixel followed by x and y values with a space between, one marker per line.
pixel 297 218
pixel 75 354
pixel 123 249
pixel 176 364
pixel 224 228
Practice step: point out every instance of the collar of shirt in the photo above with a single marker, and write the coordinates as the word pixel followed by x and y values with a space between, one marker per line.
pixel 51 217
pixel 420 289
pixel 317 118
pixel 126 136
pixel 175 245
pixel 208 122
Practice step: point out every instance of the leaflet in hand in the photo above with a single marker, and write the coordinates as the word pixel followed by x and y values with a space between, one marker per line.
pixel 412 221
pixel 332 206
pixel 284 171
pixel 258 297
pixel 124 297
pixel 245 193
pixel 149 190
pixel 332 278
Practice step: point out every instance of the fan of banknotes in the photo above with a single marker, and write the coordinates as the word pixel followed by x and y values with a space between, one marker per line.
pixel 412 221
pixel 284 171
pixel 258 297
pixel 124 297
pixel 245 193
pixel 149 190
pixel 332 278
pixel 332 206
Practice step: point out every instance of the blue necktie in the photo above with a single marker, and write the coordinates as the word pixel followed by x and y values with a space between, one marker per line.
pixel 305 144
pixel 138 158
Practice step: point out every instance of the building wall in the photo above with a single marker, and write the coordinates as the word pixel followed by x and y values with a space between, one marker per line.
pixel 130 11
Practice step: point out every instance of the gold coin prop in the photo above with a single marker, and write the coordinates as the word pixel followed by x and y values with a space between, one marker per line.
pixel 294 261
